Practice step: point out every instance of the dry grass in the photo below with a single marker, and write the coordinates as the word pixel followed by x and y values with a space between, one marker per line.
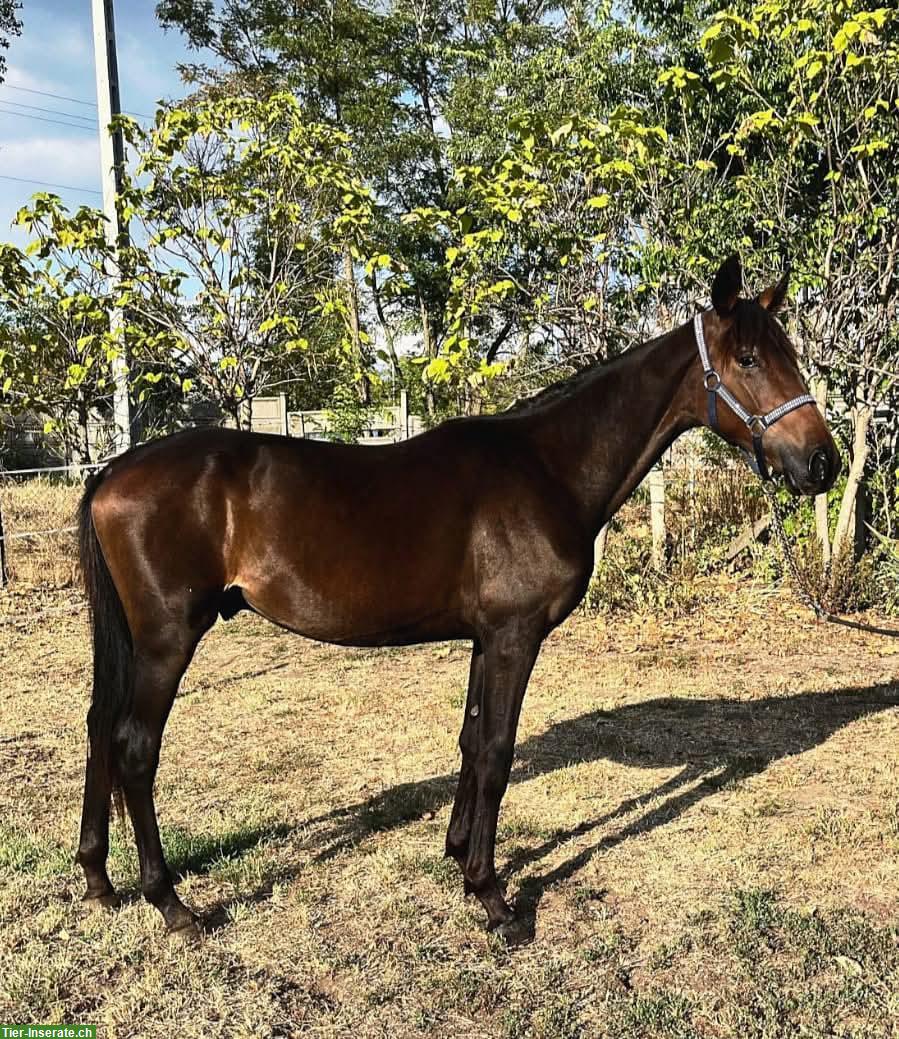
pixel 702 833
pixel 44 562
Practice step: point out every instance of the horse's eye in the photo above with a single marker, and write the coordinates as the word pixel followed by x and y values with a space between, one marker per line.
pixel 747 361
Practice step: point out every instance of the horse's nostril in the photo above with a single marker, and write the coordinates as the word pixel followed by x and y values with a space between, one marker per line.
pixel 819 465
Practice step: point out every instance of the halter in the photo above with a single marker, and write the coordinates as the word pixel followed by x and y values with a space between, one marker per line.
pixel 756 424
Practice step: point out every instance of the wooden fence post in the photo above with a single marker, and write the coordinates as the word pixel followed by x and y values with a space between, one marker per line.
pixel 821 524
pixel 657 516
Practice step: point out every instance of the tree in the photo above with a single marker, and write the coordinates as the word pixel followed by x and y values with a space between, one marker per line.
pixel 240 209
pixel 385 75
pixel 10 25
pixel 534 243
pixel 57 350
pixel 818 150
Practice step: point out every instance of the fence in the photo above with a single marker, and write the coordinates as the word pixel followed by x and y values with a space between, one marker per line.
pixel 37 528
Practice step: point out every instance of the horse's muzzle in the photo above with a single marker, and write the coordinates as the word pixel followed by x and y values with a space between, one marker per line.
pixel 817 474
pixel 819 467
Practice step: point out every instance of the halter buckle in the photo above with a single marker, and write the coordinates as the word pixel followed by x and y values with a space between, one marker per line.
pixel 757 425
pixel 712 381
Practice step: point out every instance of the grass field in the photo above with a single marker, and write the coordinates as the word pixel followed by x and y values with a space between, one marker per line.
pixel 702 836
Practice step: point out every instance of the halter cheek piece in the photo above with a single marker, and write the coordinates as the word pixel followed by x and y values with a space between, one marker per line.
pixel 756 424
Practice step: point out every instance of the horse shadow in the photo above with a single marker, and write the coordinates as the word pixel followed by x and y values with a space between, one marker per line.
pixel 713 742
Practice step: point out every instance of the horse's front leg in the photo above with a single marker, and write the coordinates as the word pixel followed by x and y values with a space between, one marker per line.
pixel 459 831
pixel 509 656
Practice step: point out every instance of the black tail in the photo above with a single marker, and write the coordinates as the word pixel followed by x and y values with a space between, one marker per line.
pixel 113 656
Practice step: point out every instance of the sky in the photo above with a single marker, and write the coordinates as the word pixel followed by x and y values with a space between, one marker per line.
pixel 55 55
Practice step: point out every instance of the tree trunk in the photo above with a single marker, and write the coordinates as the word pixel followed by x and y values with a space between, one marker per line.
pixel 81 441
pixel 861 417
pixel 821 524
pixel 388 334
pixel 84 422
pixel 429 353
pixel 363 386
pixel 599 546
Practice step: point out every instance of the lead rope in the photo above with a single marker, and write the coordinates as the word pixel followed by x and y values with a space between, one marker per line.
pixel 800 582
pixel 801 585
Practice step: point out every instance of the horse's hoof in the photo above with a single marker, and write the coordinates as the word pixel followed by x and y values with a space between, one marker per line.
pixel 189 933
pixel 107 902
pixel 510 930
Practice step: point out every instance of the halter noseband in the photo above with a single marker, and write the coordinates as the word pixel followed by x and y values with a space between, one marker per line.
pixel 756 424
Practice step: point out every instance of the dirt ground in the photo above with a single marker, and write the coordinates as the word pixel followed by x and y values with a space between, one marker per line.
pixel 701 835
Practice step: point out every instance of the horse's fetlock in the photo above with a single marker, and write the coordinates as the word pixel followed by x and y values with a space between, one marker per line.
pixel 156 887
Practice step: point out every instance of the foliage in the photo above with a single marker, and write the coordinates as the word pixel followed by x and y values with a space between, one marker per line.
pixel 10 25
pixel 57 348
pixel 239 209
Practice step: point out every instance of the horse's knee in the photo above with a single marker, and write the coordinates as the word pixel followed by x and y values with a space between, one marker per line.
pixel 494 765
pixel 92 850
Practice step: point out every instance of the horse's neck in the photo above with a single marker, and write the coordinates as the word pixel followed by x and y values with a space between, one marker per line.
pixel 606 436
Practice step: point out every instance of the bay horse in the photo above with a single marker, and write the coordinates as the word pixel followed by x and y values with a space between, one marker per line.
pixel 481 529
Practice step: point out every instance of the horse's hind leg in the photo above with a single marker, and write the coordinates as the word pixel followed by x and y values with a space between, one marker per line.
pixel 463 807
pixel 157 671
pixel 93 847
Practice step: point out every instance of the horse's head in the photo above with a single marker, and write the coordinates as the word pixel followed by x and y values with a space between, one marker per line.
pixel 755 361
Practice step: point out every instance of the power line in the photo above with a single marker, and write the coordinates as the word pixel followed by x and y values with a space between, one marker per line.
pixel 44 93
pixel 52 111
pixel 42 119
pixel 47 184
pixel 64 97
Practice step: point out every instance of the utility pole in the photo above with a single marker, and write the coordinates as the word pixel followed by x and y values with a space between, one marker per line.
pixel 112 167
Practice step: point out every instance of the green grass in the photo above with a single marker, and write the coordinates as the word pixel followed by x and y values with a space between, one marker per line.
pixel 21 853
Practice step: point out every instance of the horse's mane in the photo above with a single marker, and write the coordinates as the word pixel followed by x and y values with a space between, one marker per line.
pixel 752 324
pixel 569 386
pixel 560 390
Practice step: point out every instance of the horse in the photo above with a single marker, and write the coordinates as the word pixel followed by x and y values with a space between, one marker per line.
pixel 480 529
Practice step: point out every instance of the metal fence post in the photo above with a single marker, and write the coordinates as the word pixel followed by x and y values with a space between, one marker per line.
pixel 3 574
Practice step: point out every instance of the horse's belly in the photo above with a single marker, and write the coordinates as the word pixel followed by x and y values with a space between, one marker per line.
pixel 358 601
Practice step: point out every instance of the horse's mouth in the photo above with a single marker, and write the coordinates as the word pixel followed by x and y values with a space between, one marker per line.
pixel 791 484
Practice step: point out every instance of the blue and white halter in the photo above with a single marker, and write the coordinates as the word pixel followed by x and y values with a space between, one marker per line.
pixel 756 424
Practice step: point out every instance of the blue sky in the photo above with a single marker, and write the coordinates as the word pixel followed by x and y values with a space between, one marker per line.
pixel 55 55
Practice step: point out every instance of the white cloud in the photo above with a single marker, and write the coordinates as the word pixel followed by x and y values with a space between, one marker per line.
pixel 48 39
pixel 16 76
pixel 57 160
pixel 62 160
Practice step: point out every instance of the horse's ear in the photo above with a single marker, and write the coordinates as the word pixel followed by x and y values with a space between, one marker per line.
pixel 727 286
pixel 772 298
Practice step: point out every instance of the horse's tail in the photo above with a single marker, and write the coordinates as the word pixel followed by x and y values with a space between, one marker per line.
pixel 113 653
